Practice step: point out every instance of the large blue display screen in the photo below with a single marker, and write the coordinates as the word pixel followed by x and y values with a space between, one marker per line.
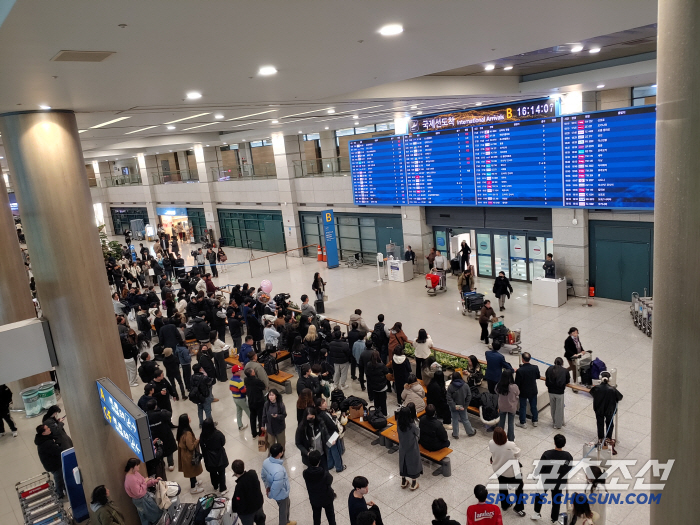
pixel 595 160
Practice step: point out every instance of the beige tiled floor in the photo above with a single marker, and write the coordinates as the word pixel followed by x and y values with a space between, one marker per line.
pixel 606 328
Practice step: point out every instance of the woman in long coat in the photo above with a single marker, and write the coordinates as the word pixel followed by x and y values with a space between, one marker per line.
pixel 186 445
pixel 410 465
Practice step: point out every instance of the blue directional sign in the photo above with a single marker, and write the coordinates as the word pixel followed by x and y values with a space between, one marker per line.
pixel 330 238
pixel 126 418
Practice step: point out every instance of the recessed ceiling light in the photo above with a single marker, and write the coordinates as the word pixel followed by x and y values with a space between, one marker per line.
pixel 267 70
pixel 109 122
pixel 326 127
pixel 653 85
pixel 594 50
pixel 207 146
pixel 355 116
pixel 171 127
pixel 225 143
pixel 507 68
pixel 489 67
pixel 275 121
pixel 44 106
pixel 331 111
pixel 2 157
pixel 576 48
pixel 419 112
pixel 218 116
pixel 157 152
pixel 193 95
pixel 170 150
pixel 243 140
pixel 414 106
pixel 299 131
pixel 600 86
pixel 478 103
pixel 391 30
pixel 356 123
pixel 82 130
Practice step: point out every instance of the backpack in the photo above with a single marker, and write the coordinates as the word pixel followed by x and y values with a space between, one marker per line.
pixel 298 356
pixel 376 418
pixel 597 366
pixel 269 364
pixel 379 337
pixel 196 395
pixel 337 396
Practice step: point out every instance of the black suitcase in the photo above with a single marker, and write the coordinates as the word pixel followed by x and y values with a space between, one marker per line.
pixel 475 301
pixel 319 306
pixel 455 266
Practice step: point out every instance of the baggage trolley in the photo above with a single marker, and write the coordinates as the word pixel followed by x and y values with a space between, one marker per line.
pixel 39 502
pixel 436 285
pixel 472 302
pixel 500 333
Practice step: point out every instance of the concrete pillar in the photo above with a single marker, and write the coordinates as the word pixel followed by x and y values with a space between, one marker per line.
pixel 417 234
pixel 288 149
pixel 206 161
pixel 150 176
pixel 571 246
pixel 182 161
pixel 329 150
pixel 15 298
pixel 44 153
pixel 589 101
pixel 615 98
pixel 245 157
pixel 675 412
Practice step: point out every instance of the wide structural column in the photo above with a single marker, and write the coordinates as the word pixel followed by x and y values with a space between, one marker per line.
pixel 675 411
pixel 15 298
pixel 288 150
pixel 44 154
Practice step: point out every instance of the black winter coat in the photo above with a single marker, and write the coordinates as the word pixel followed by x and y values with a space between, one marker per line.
pixel 303 441
pixel 502 287
pixel 526 378
pixel 255 391
pixel 59 433
pixel 318 483
pixel 605 399
pixel 207 363
pixel 202 383
pixel 339 352
pixel 159 421
pixel 201 329
pixel 433 435
pixel 376 377
pixel 5 399
pixel 437 396
pixel 49 452
pixel 401 371
pixel 556 378
pixel 164 399
pixel 146 371
pixel 213 451
pixel 247 496
pixel 170 336
pixel 353 335
pixel 172 365
pixel 312 383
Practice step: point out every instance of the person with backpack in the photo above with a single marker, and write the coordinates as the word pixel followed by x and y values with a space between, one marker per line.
pixel 526 378
pixel 555 379
pixel 300 355
pixel 201 392
pixel 255 393
pixel 274 415
pixel 380 338
pixel 238 392
pixel 260 371
pixel 212 442
pixel 553 469
pixel 319 486
pixel 311 435
pixel 605 400
pixel 339 354
pixel 334 456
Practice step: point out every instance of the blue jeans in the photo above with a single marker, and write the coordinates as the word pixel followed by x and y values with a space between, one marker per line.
pixel 511 424
pixel 58 482
pixel 147 509
pixel 335 455
pixel 463 416
pixel 523 409
pixel 205 407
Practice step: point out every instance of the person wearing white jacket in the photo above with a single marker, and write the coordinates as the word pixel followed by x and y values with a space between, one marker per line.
pixel 504 460
pixel 422 345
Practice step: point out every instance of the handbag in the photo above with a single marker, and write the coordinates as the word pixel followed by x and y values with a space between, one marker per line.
pixel 356 412
pixel 376 418
pixel 196 456
pixel 325 297
pixel 390 377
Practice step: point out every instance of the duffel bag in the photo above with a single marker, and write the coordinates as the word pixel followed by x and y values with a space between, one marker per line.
pixel 376 418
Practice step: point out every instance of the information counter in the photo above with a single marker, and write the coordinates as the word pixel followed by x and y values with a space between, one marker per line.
pixel 549 292
pixel 400 271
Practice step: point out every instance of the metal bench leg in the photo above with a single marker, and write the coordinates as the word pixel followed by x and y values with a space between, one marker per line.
pixel 446 468
pixel 381 441
pixel 287 387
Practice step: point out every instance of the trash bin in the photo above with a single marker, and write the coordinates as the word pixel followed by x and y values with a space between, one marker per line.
pixel 47 394
pixel 31 400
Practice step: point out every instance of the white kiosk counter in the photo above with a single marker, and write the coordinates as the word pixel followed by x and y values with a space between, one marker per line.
pixel 549 292
pixel 400 271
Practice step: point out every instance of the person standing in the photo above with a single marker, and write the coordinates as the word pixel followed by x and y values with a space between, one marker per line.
pixel 464 253
pixel 159 421
pixel 247 500
pixel 422 345
pixel 605 400
pixel 401 368
pixel 200 260
pixel 573 349
pixel 439 262
pixel 318 484
pixel 54 421
pixel 439 508
pixel 106 513
pixel 339 355
pixel 549 267
pixel 238 392
pixel 5 402
pixel 431 258
pixel 186 445
pixel 410 465
pixel 485 315
pixel 171 362
pixel 397 338
pixel 318 286
pixel 377 383
pixel 274 477
pixel 437 396
pixel 49 451
pixel 201 393
pixel 136 487
pixel 185 360
pixel 361 325
pixel 502 289
pixel 212 442
pixel 274 415
pixel 334 456
pixel 495 363
pixel 211 257
pixel 311 435
pixel 526 378
pixel 505 452
pixel 410 255
pixel 508 393
pixel 362 363
pixel 458 397
pixel 555 379
pixel 357 504
pixel 483 513
pixel 175 247
pixel 553 469
pixel 255 393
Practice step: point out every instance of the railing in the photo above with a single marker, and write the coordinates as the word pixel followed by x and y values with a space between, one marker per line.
pixel 263 170
pixel 172 176
pixel 326 167
pixel 109 181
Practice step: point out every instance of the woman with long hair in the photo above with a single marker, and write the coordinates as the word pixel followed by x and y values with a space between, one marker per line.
pixel 186 445
pixel 596 486
pixel 318 286
pixel 105 511
pixel 299 353
pixel 305 400
pixel 377 383
pixel 334 457
pixel 474 373
pixel 505 452
pixel 312 435
pixel 410 465
pixel 274 418
pixel 508 401
pixel 136 487
pixel 397 339
pixel 212 442
pixel 313 345
pixel 579 511
pixel 422 345
pixel 437 396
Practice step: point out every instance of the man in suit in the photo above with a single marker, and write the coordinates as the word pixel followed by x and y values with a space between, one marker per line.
pixel 526 378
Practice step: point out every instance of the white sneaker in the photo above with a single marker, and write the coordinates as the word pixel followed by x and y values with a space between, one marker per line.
pixel 2 434
pixel 536 516
pixel 171 468
pixel 199 483
pixel 133 384
pixel 196 490
pixel 534 423
pixel 243 427
pixel 14 433
pixel 448 427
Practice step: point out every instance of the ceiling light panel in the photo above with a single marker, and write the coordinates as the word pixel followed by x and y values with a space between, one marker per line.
pixel 202 125
pixel 109 122
pixel 142 129
pixel 186 118
pixel 251 115
pixel 391 30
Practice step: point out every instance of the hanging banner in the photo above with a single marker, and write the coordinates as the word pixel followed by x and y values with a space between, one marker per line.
pixel 331 242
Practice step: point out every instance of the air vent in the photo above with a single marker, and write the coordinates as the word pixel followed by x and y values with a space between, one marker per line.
pixel 258 203
pixel 445 215
pixel 187 203
pixel 82 56
pixel 301 204
pixel 329 204
pixel 531 218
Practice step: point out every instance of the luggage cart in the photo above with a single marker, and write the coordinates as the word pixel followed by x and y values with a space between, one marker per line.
pixel 39 502
pixel 500 333
pixel 436 285
pixel 472 302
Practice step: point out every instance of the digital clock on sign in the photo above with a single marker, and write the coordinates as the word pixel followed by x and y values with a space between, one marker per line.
pixel 536 110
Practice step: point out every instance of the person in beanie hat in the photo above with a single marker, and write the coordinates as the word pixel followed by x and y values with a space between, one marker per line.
pixel 237 389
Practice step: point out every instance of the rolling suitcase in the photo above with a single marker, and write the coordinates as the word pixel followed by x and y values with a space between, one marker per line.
pixel 319 306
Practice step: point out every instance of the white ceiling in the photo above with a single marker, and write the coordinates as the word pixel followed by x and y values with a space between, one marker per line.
pixel 328 54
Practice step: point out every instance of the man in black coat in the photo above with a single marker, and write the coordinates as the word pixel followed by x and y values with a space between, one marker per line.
pixel 200 328
pixel 148 391
pixel 339 354
pixel 318 483
pixel 194 306
pixel 50 456
pixel 160 422
pixel 526 378
pixel 5 401
pixel 308 381
pixel 433 435
pixel 147 368
pixel 163 390
pixel 365 358
pixel 247 500
pixel 170 336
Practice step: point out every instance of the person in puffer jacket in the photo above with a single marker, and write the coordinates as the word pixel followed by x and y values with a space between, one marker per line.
pixel 413 393
pixel 401 368
pixel 458 397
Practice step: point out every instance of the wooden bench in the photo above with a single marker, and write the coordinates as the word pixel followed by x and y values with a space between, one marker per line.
pixel 439 456
pixel 280 378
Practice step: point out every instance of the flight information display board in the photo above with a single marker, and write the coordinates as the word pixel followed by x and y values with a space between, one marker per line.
pixel 609 159
pixel 595 160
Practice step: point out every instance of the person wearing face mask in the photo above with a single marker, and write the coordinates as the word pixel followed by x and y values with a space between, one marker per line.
pixel 573 349
pixel 274 415
pixel 311 435
pixel 247 500
pixel 274 477
pixel 502 289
